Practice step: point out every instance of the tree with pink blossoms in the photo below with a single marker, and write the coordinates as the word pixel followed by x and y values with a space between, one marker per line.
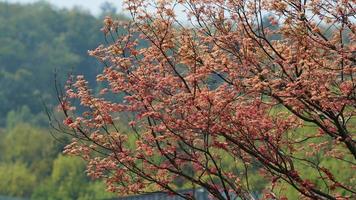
pixel 216 99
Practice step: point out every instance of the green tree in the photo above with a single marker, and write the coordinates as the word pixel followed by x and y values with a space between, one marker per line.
pixel 68 181
pixel 37 39
pixel 16 179
pixel 34 147
pixel 24 115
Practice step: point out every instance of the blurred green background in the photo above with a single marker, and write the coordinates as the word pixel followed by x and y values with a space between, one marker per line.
pixel 35 41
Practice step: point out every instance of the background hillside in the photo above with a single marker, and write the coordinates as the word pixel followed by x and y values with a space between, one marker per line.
pixel 35 41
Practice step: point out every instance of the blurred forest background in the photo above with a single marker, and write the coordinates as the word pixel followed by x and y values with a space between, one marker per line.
pixel 35 41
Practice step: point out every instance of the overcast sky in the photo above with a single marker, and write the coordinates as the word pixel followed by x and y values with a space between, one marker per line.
pixel 92 5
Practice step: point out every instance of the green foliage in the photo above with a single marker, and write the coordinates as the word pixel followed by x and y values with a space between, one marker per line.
pixel 36 40
pixel 27 144
pixel 16 179
pixel 31 165
pixel 341 169
pixel 12 89
pixel 68 181
pixel 24 115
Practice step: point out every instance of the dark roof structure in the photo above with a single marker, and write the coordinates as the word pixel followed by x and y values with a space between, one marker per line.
pixel 199 194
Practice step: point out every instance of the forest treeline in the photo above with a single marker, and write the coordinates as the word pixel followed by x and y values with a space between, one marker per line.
pixel 36 40
pixel 39 41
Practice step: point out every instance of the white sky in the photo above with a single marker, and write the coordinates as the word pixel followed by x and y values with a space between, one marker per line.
pixel 92 5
